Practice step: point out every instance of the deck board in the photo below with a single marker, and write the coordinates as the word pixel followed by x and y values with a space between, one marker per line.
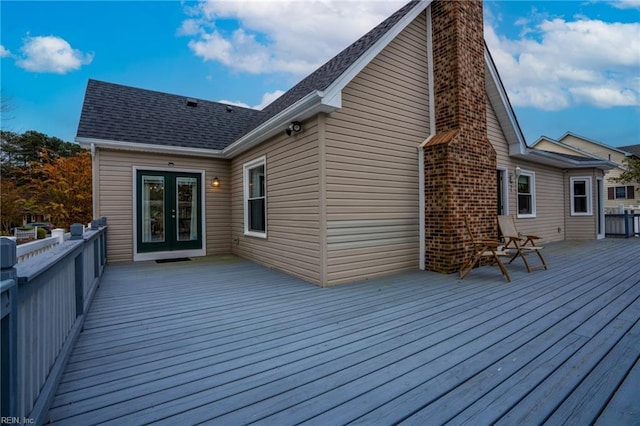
pixel 225 341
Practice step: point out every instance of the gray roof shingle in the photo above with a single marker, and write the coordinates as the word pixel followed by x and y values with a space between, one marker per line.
pixel 122 113
pixel 633 149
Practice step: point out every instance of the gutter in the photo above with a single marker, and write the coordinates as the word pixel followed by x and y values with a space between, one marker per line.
pixel 552 159
pixel 93 143
pixel 308 106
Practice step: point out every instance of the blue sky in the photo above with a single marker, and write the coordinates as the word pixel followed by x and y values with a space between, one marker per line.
pixel 567 65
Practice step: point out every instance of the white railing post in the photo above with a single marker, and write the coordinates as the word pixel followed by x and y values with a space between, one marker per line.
pixel 58 234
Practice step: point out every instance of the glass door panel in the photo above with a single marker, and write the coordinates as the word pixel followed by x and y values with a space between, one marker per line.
pixel 187 214
pixel 153 211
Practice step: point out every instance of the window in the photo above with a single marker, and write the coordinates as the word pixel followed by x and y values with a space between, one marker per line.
pixel 621 193
pixel 526 194
pixel 581 196
pixel 255 199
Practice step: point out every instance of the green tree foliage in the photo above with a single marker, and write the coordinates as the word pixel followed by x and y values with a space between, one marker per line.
pixel 45 175
pixel 631 174
pixel 19 150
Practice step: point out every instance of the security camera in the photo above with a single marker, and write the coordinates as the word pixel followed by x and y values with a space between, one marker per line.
pixel 294 127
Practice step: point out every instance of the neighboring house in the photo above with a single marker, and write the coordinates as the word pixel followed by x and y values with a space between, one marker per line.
pixel 617 194
pixel 365 167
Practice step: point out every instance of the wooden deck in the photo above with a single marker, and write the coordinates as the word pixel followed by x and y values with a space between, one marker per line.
pixel 226 341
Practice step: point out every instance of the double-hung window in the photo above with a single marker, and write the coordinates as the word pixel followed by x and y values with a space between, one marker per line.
pixel 255 198
pixel 526 194
pixel 581 196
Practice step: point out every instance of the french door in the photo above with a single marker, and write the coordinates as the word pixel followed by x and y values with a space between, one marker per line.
pixel 169 211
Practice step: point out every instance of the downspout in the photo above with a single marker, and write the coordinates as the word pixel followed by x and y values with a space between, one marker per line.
pixel 94 182
pixel 432 132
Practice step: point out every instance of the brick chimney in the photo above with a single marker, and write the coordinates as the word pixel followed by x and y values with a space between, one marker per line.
pixel 460 163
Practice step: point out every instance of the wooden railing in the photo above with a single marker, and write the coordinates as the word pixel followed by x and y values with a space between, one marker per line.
pixel 34 248
pixel 622 225
pixel 43 301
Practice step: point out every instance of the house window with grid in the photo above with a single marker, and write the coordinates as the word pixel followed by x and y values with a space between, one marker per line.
pixel 526 194
pixel 255 198
pixel 621 192
pixel 581 196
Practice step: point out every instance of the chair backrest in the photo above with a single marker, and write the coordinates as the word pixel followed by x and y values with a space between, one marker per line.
pixel 507 226
pixel 470 233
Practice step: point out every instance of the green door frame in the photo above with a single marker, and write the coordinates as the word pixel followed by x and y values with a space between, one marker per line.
pixel 170 213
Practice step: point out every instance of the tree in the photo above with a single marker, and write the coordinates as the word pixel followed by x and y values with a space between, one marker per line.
pixel 11 204
pixel 631 174
pixel 63 187
pixel 44 175
pixel 19 150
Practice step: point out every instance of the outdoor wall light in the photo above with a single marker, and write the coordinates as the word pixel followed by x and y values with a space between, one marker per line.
pixel 518 170
pixel 294 127
pixel 215 182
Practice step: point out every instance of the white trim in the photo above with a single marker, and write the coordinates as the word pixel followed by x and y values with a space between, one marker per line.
pixel 505 189
pixel 532 184
pixel 310 105
pixel 520 146
pixel 600 203
pixel 148 147
pixel 373 51
pixel 176 253
pixel 432 130
pixel 588 189
pixel 246 167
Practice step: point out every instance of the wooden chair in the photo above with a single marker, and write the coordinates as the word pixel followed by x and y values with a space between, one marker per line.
pixel 520 244
pixel 484 249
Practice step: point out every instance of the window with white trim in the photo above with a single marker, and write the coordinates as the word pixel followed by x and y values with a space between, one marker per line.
pixel 581 196
pixel 527 194
pixel 255 198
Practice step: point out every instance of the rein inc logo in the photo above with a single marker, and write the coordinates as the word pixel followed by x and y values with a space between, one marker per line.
pixel 17 421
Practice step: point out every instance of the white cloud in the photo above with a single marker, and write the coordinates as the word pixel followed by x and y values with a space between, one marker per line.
pixel 267 98
pixel 280 35
pixel 51 54
pixel 4 52
pixel 562 63
pixel 626 4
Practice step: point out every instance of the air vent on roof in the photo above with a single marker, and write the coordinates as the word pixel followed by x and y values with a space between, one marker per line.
pixel 192 102
pixel 229 108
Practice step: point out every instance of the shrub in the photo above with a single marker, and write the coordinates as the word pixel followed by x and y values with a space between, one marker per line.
pixel 42 233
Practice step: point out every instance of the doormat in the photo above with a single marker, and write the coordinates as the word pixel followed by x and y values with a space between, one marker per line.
pixel 180 259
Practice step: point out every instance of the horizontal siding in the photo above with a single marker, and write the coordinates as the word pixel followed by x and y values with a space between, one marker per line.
pixel 549 188
pixel 116 198
pixel 372 166
pixel 582 227
pixel 293 217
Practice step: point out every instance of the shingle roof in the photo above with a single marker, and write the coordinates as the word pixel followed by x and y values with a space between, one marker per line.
pixel 122 113
pixel 633 149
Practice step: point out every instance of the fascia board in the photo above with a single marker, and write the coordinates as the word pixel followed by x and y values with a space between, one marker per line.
pixel 355 68
pixel 147 147
pixel 515 138
pixel 551 159
pixel 306 107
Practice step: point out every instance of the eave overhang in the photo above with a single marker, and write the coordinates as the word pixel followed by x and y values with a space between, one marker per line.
pixel 556 160
pixel 92 143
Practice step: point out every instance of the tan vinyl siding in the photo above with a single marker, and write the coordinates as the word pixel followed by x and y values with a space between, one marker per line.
pixel 548 146
pixel 372 166
pixel 581 227
pixel 115 170
pixel 292 192
pixel 548 185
